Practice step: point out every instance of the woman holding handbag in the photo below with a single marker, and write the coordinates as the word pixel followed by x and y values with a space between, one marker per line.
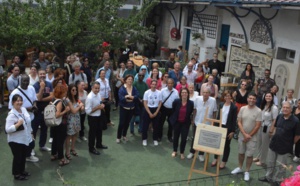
pixel 181 120
pixel 19 135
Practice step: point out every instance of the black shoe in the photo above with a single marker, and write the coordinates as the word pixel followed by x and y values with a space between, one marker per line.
pixel 26 174
pixel 20 177
pixel 102 147
pixel 170 140
pixel 94 151
pixel 263 179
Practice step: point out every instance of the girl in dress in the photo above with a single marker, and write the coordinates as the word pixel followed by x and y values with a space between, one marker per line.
pixel 73 127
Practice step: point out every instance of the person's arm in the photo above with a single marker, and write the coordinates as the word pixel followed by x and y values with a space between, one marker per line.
pixel 158 109
pixel 256 88
pixel 70 79
pixel 256 128
pixel 89 109
pixel 234 94
pixel 72 109
pixel 59 113
pixel 216 91
pixel 147 108
pixel 194 115
pixel 202 88
pixel 11 125
pixel 40 93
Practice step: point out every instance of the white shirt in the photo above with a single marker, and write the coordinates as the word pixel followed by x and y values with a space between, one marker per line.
pixel 153 98
pixel 91 102
pixel 22 136
pixel 195 95
pixel 201 107
pixel 30 92
pixel 225 111
pixel 165 92
pixel 190 76
pixel 32 80
pixel 50 80
pixel 104 88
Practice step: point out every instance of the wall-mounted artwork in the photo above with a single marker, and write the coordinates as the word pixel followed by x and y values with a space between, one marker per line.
pixel 259 32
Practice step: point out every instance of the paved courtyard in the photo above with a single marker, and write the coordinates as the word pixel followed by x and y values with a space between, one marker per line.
pixel 122 164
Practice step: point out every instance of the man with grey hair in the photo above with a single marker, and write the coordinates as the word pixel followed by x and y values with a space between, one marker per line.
pixel 216 78
pixel 202 103
pixel 77 75
pixel 286 133
pixel 176 74
pixel 189 73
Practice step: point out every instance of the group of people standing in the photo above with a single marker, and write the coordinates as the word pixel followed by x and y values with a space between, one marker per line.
pixel 149 98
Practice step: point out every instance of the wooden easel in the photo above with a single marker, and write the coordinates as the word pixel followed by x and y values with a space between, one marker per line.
pixel 204 171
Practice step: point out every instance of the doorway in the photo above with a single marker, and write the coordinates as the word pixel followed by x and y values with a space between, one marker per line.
pixel 224 35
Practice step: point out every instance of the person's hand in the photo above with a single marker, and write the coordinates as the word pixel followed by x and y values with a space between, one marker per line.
pixel 20 122
pixel 42 84
pixel 247 138
pixel 151 115
pixel 101 106
pixel 230 135
pixel 67 109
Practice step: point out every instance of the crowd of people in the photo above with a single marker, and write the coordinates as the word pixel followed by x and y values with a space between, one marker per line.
pixel 148 97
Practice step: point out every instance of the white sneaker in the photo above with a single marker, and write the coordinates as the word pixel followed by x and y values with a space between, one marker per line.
pixel 145 143
pixel 32 159
pixel 83 138
pixel 296 159
pixel 118 140
pixel 50 140
pixel 45 149
pixel 246 176
pixel 32 152
pixel 237 170
pixel 201 158
pixel 155 143
pixel 190 156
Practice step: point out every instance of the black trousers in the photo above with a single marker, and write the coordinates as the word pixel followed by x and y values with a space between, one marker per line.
pixel 29 148
pixel 165 112
pixel 180 128
pixel 192 150
pixel 107 111
pixel 146 121
pixel 82 120
pixel 59 136
pixel 116 95
pixel 19 152
pixel 95 132
pixel 226 147
pixel 125 117
pixel 297 149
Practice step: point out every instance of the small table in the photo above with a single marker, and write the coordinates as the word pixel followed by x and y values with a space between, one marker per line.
pixel 137 62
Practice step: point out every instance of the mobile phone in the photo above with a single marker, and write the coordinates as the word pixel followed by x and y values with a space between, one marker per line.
pixel 265 128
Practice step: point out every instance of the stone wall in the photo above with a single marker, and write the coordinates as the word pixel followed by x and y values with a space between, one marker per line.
pixel 239 58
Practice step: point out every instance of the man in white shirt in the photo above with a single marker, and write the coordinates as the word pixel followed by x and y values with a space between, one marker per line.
pixel 27 92
pixel 189 73
pixel 202 103
pixel 93 107
pixel 169 94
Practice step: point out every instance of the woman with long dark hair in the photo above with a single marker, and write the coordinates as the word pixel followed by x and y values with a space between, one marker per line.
pixel 154 76
pixel 249 75
pixel 19 135
pixel 181 120
pixel 229 117
pixel 73 120
pixel 269 115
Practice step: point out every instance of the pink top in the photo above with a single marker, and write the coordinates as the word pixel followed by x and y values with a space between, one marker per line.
pixel 182 113
pixel 180 86
pixel 158 86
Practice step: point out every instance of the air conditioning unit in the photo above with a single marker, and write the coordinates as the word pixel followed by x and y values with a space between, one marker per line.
pixel 245 46
pixel 270 52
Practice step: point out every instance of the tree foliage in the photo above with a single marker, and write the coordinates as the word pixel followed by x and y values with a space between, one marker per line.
pixel 66 26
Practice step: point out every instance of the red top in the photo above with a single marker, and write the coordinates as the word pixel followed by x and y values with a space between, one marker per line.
pixel 182 113
pixel 199 79
pixel 158 85
pixel 180 86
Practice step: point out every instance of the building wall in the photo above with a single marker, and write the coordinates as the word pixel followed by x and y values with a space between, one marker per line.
pixel 285 27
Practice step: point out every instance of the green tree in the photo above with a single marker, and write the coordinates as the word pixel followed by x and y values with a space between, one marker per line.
pixel 66 26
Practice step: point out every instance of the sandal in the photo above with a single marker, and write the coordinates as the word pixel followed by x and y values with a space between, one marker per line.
pixel 74 153
pixel 222 166
pixel 68 156
pixel 54 157
pixel 214 163
pixel 182 156
pixel 174 154
pixel 255 159
pixel 63 162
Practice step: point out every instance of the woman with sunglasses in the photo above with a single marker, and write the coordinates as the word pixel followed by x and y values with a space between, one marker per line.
pixel 164 80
